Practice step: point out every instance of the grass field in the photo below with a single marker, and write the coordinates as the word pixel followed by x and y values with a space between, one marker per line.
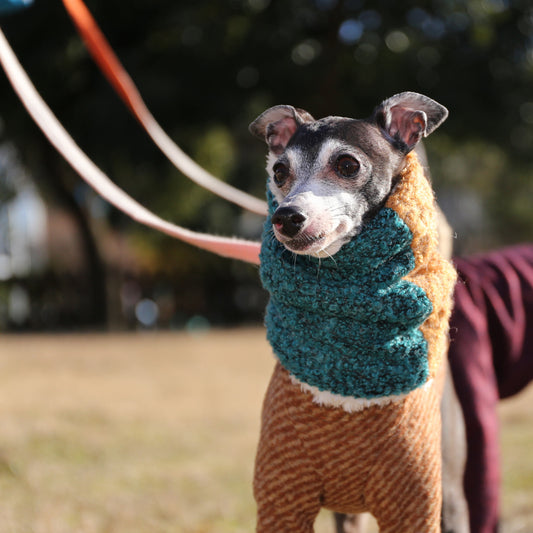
pixel 156 433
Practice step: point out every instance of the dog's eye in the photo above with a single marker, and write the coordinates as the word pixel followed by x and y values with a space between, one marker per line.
pixel 346 166
pixel 281 173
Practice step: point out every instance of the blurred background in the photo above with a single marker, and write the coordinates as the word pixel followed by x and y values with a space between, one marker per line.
pixel 157 433
pixel 206 69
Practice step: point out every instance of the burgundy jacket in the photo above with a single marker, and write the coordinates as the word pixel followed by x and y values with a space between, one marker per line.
pixel 491 357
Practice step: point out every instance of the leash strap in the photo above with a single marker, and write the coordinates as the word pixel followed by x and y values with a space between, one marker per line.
pixel 120 80
pixel 42 115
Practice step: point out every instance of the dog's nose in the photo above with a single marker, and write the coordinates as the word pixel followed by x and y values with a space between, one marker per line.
pixel 288 220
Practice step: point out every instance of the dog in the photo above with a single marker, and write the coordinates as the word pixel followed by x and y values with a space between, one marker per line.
pixel 331 181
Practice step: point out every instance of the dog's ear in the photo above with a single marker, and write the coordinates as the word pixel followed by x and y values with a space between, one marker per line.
pixel 407 117
pixel 278 124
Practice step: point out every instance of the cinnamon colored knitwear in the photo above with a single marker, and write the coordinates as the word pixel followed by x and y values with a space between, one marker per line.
pixel 367 453
pixel 385 460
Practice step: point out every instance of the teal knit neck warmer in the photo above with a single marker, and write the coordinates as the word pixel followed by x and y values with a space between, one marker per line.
pixel 349 324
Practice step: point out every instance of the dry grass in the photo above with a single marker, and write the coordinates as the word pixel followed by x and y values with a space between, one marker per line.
pixel 154 433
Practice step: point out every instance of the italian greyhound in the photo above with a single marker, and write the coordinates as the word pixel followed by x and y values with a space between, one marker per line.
pixel 330 177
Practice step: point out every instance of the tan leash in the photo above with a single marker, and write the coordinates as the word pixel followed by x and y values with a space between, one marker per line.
pixel 48 123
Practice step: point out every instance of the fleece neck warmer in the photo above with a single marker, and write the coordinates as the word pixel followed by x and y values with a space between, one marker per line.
pixel 369 322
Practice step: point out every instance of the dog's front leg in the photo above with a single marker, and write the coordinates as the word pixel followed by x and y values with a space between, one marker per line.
pixel 352 523
pixel 287 488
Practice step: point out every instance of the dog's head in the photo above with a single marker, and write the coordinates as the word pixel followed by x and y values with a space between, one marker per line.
pixel 332 174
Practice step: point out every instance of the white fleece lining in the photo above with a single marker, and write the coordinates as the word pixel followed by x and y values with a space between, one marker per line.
pixel 347 403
